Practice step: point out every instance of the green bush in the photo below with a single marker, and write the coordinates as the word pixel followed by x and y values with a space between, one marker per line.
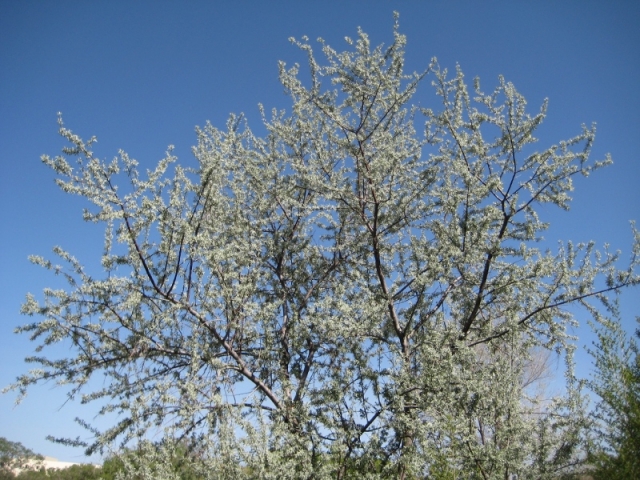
pixel 74 472
pixel 617 383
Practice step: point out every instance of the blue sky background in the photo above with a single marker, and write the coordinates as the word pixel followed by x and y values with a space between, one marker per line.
pixel 141 75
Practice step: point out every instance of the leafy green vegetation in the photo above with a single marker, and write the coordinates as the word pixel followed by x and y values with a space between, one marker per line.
pixel 74 472
pixel 617 382
pixel 14 455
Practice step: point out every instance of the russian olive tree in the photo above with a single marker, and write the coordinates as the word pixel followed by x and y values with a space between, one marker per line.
pixel 357 293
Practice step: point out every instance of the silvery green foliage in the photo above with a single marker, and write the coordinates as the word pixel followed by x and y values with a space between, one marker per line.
pixel 355 295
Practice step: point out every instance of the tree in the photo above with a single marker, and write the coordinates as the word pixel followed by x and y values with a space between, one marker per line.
pixel 18 461
pixel 616 381
pixel 357 294
pixel 14 455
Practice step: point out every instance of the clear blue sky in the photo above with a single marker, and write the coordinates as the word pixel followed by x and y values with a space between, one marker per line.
pixel 140 75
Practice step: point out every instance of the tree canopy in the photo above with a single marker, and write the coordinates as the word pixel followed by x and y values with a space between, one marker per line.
pixel 358 293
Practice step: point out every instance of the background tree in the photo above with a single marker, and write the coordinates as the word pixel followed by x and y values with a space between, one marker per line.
pixel 617 382
pixel 18 461
pixel 74 472
pixel 14 455
pixel 358 293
